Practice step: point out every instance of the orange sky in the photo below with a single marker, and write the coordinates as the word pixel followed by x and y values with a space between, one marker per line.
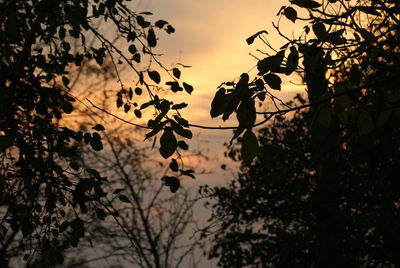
pixel 210 36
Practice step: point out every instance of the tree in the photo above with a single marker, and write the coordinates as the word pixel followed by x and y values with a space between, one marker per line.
pixel 43 195
pixel 323 191
pixel 143 225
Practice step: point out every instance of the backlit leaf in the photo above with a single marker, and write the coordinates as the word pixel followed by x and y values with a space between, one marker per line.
pixel 168 143
pixel 249 146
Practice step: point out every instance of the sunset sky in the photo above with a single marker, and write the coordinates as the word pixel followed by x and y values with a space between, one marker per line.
pixel 210 36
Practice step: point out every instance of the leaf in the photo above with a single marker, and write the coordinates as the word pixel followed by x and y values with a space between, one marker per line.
pixel 132 49
pixel 292 61
pixel 179 106
pixel 188 88
pixel 249 146
pixel 320 30
pixel 174 165
pixel 152 133
pixel 155 76
pixel 131 36
pixel 250 40
pixel 290 13
pixel 98 127
pixel 246 113
pixel 168 143
pixel 95 142
pixel 138 91
pixel 161 23
pixel 137 113
pixel 67 107
pixel 183 145
pixel 181 121
pixel 218 103
pixel 272 63
pixel 151 38
pixel 170 29
pixel 119 101
pixel 174 86
pixel 136 57
pixel 65 81
pixel 188 172
pixel 172 182
pixel 117 191
pixel 231 104
pixel 186 133
pixel 142 22
pixel 306 3
pixel 176 72
pixel 130 93
pixel 273 81
pixel 127 107
pixel 123 198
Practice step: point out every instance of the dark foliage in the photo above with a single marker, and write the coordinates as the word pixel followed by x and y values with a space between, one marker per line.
pixel 324 188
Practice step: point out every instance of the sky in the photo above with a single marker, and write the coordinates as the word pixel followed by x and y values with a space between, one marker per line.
pixel 211 37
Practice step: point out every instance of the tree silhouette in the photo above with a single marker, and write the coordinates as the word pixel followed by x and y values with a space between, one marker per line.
pixel 323 191
pixel 43 192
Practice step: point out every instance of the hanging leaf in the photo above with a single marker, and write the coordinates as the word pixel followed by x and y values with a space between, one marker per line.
pixel 272 63
pixel 132 49
pixel 137 113
pixel 176 72
pixel 174 86
pixel 249 146
pixel 179 106
pixel 151 38
pixel 138 91
pixel 136 57
pixel 142 22
pixel 186 133
pixel 174 165
pixel 161 23
pixel 246 113
pixel 131 36
pixel 172 182
pixel 320 30
pixel 98 127
pixel 290 13
pixel 123 198
pixel 168 143
pixel 273 81
pixel 306 3
pixel 181 121
pixel 183 145
pixel 96 144
pixel 188 88
pixel 218 103
pixel 67 107
pixel 155 76
pixel 292 61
